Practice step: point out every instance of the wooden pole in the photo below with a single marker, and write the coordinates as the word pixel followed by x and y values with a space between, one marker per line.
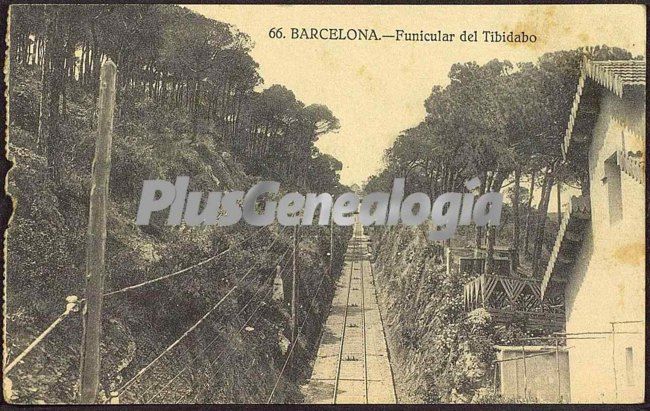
pixel 494 381
pixel 557 369
pixel 448 260
pixel 294 288
pixel 96 237
pixel 614 362
pixel 559 203
pixel 331 244
pixel 523 357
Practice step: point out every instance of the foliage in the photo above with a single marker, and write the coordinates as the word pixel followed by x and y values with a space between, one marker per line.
pixel 498 122
pixel 187 105
pixel 439 353
pixel 180 61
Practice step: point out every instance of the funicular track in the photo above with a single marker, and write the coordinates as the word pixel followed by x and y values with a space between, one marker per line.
pixel 352 365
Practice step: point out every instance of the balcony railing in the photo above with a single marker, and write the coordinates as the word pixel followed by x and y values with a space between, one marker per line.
pixel 472 261
pixel 633 164
pixel 514 299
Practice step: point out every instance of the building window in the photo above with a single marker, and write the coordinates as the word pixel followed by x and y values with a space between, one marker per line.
pixel 629 366
pixel 614 193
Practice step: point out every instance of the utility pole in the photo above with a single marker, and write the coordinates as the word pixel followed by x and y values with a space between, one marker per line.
pixel 278 289
pixel 557 369
pixel 559 203
pixel 294 288
pixel 523 357
pixel 614 360
pixel 448 259
pixel 96 237
pixel 331 244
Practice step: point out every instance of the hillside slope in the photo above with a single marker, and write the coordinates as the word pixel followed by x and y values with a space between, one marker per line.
pixel 438 352
pixel 45 264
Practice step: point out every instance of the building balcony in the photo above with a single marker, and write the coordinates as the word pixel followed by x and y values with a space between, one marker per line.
pixel 632 164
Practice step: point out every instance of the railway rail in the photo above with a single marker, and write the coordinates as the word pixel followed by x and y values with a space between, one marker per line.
pixel 352 364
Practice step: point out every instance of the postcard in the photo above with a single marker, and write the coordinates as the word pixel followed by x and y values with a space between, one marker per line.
pixel 324 204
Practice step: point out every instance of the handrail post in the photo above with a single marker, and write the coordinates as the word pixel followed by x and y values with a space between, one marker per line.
pixel 557 368
pixel 614 361
pixel 523 353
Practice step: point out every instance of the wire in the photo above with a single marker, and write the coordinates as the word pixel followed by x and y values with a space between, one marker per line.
pixel 166 276
pixel 217 336
pixel 240 330
pixel 224 351
pixel 255 310
pixel 546 352
pixel 208 346
pixel 178 340
pixel 70 307
pixel 148 366
pixel 293 345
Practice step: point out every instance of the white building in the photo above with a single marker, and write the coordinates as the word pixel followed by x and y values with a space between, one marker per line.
pixel 598 261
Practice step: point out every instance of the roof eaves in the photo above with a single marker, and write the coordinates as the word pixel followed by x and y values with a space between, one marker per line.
pixel 615 75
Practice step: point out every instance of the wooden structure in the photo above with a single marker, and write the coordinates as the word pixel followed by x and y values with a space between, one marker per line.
pixel 476 265
pixel 626 79
pixel 506 296
pixel 538 373
pixel 510 299
pixel 472 260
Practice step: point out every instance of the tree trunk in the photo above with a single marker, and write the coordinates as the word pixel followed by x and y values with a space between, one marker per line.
pixel 44 109
pixel 479 230
pixel 57 74
pixel 541 222
pixel 559 203
pixel 497 182
pixel 515 213
pixel 584 185
pixel 529 213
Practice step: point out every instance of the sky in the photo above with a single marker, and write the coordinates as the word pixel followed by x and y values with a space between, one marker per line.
pixel 377 88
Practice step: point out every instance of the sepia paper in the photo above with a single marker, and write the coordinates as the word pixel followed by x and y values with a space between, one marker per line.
pixel 325 204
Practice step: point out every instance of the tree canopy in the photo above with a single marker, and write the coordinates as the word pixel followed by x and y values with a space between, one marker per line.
pixel 177 59
pixel 497 121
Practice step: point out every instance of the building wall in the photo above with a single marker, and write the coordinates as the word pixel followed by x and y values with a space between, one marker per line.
pixel 608 280
pixel 545 378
